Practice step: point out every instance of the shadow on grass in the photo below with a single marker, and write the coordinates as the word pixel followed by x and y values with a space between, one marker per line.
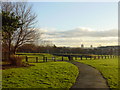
pixel 9 66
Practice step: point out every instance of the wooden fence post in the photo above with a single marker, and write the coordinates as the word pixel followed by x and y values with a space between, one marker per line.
pixel 105 57
pixel 62 58
pixel 91 58
pixel 101 57
pixel 98 57
pixel 70 58
pixel 86 58
pixel 26 59
pixel 46 59
pixel 81 57
pixel 94 57
pixel 43 59
pixel 113 56
pixel 36 59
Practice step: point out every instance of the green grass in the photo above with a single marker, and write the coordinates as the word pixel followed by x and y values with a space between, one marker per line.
pixel 42 75
pixel 55 74
pixel 108 68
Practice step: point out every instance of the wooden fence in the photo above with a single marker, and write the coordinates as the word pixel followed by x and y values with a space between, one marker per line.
pixel 45 59
pixel 96 57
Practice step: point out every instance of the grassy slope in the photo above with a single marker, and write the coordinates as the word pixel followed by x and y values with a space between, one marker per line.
pixel 108 67
pixel 42 75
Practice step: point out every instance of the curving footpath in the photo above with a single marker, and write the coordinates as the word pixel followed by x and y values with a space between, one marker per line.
pixel 89 77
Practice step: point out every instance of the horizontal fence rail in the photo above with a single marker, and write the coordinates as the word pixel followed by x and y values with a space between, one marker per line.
pixel 45 59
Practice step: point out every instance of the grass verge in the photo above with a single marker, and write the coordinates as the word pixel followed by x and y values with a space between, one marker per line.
pixel 42 75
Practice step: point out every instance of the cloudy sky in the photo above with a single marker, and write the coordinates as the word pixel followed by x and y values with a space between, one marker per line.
pixel 75 23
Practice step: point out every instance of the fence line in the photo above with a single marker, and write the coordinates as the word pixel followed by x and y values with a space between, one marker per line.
pixel 45 59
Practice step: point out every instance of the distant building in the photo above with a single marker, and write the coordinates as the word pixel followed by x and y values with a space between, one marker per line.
pixel 91 46
pixel 82 46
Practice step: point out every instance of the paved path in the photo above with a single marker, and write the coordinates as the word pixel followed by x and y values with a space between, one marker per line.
pixel 89 77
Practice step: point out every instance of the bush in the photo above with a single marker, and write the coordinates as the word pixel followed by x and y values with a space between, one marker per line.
pixel 16 60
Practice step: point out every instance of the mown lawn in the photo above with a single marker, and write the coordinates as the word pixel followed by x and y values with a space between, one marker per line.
pixel 42 75
pixel 108 68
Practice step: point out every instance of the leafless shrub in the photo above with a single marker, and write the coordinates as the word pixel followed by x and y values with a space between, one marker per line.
pixel 16 60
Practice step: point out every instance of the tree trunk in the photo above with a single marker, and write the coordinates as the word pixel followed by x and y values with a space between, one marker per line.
pixel 14 50
pixel 9 46
pixel 9 51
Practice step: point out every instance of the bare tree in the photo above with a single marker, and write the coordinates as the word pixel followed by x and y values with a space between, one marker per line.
pixel 27 32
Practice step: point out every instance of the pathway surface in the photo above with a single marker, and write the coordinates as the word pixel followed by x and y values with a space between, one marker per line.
pixel 89 77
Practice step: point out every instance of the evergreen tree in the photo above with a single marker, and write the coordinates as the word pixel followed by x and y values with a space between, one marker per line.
pixel 10 23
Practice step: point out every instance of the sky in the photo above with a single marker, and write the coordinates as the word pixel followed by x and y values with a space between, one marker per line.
pixel 71 24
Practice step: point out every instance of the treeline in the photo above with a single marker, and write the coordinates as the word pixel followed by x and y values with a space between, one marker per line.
pixel 31 48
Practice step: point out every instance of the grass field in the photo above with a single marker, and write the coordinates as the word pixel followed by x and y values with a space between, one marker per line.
pixel 108 68
pixel 56 74
pixel 42 75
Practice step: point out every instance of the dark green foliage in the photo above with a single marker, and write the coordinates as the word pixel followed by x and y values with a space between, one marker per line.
pixel 10 23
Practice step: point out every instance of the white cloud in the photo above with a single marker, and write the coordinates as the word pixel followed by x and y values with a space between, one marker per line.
pixel 85 32
pixel 80 35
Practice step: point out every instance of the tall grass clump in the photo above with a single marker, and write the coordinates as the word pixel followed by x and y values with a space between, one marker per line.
pixel 16 60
